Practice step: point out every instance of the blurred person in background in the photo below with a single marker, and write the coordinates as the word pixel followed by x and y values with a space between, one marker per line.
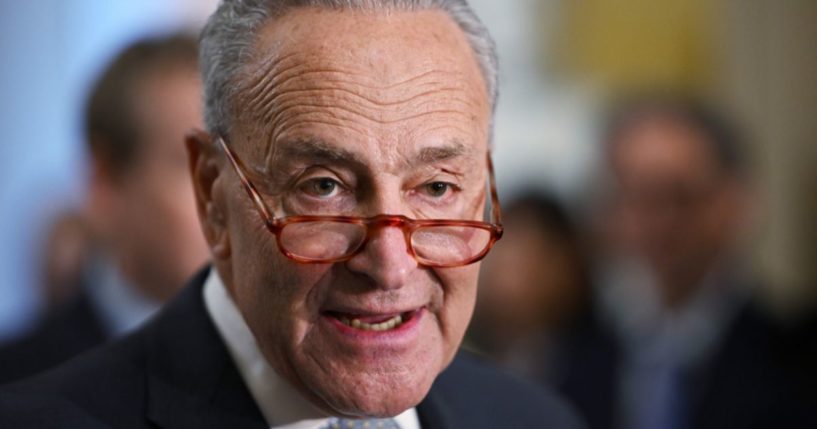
pixel 536 313
pixel 140 213
pixel 534 291
pixel 692 346
pixel 67 247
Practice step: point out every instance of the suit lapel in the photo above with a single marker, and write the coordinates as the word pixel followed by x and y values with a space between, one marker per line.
pixel 434 412
pixel 171 407
pixel 192 381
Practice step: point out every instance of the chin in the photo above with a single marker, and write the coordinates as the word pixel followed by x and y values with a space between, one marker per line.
pixel 378 403
pixel 376 393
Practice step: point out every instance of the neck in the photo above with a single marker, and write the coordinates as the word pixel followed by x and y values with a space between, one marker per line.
pixel 679 286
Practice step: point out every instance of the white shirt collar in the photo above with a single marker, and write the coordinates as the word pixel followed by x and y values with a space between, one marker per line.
pixel 282 405
pixel 630 303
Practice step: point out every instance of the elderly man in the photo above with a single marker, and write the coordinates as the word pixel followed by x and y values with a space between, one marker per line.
pixel 342 188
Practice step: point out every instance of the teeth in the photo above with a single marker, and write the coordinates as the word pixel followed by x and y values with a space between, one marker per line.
pixel 382 326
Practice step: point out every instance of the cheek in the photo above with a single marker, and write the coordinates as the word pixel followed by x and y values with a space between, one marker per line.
pixel 276 295
pixel 257 273
pixel 459 292
pixel 136 223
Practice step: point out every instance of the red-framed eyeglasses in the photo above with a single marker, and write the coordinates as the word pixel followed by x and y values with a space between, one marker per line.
pixel 441 243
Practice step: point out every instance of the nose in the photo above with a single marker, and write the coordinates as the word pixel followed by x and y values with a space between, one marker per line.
pixel 386 259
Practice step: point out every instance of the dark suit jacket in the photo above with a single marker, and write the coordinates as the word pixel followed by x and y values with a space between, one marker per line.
pixel 756 378
pixel 70 331
pixel 175 372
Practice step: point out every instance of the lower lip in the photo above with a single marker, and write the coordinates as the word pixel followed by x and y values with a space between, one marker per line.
pixel 401 333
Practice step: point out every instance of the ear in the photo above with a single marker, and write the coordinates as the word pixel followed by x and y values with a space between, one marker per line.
pixel 205 168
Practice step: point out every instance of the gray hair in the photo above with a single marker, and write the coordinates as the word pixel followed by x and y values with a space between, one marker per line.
pixel 227 42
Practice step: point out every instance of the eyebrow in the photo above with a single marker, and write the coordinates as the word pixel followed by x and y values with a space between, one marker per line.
pixel 313 148
pixel 435 154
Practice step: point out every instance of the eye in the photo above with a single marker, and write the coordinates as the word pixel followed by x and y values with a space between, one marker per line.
pixel 437 189
pixel 321 187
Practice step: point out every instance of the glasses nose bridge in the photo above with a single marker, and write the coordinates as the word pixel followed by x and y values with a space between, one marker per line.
pixel 395 221
pixel 383 221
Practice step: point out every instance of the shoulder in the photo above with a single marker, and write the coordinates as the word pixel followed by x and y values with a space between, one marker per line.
pixel 177 357
pixel 68 332
pixel 752 378
pixel 27 410
pixel 105 384
pixel 477 394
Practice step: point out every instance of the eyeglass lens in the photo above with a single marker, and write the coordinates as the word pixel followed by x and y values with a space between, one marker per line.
pixel 328 240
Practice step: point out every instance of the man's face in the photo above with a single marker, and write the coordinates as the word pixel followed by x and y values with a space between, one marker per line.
pixel 355 113
pixel 676 205
pixel 529 282
pixel 151 218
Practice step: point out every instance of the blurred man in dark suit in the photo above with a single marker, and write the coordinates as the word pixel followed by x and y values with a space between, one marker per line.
pixel 140 212
pixel 535 290
pixel 342 185
pixel 682 341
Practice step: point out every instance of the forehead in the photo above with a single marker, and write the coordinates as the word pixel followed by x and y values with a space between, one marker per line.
pixel 663 147
pixel 372 82
pixel 167 103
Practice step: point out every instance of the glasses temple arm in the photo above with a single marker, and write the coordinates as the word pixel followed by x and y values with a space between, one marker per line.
pixel 496 212
pixel 247 184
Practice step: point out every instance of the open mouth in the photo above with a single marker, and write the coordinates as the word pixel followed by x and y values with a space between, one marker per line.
pixel 386 322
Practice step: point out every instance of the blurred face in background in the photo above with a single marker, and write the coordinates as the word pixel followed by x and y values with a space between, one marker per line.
pixel 147 213
pixel 529 283
pixel 675 206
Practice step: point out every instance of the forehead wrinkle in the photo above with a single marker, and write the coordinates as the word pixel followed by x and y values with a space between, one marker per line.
pixel 277 70
pixel 360 101
pixel 348 118
pixel 314 148
pixel 353 117
pixel 288 95
pixel 365 79
pixel 293 112
pixel 268 73
pixel 273 153
pixel 271 72
pixel 305 119
pixel 268 92
pixel 257 80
